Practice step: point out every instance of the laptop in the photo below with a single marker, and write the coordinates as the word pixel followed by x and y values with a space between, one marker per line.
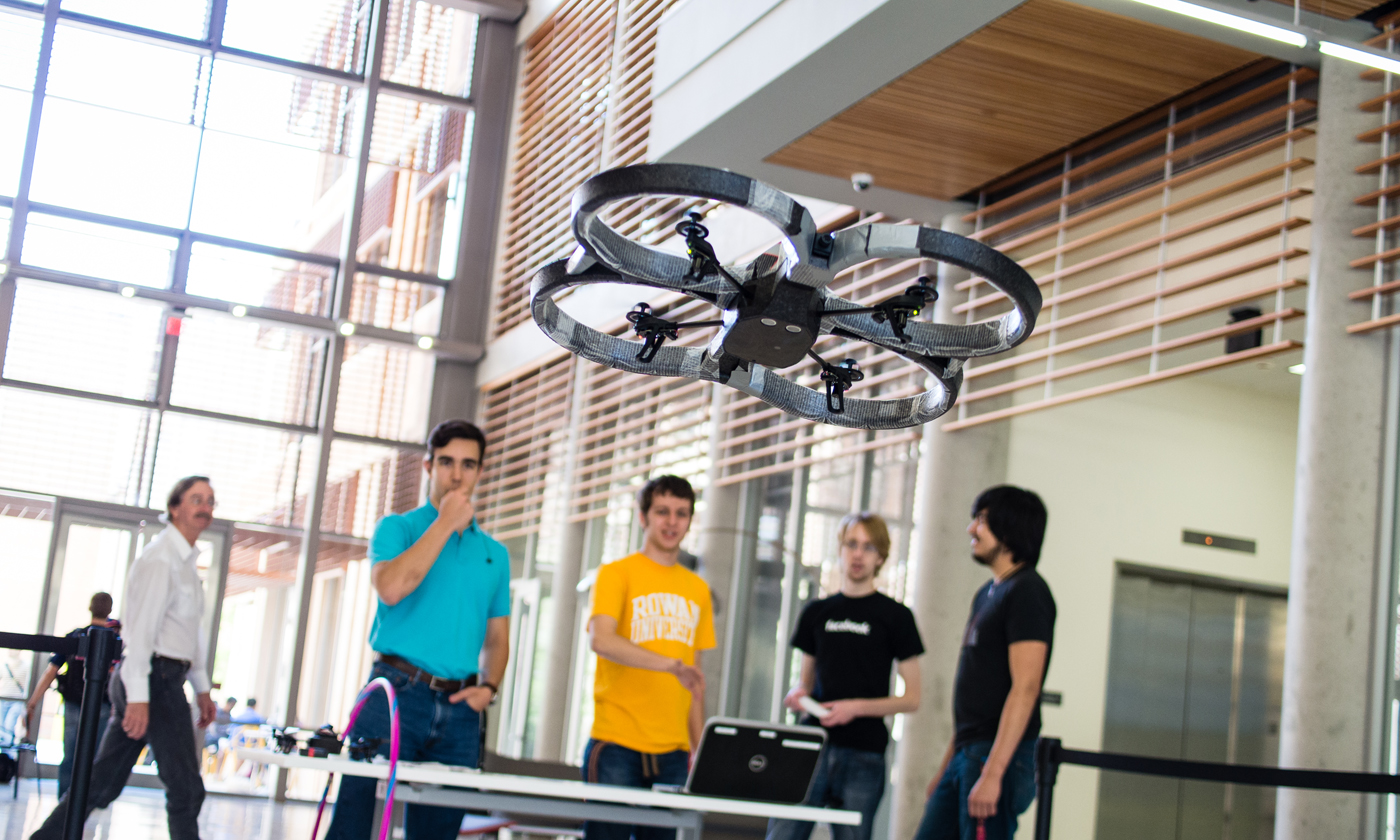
pixel 749 759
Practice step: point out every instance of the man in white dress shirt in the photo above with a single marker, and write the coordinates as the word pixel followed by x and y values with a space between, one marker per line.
pixel 165 645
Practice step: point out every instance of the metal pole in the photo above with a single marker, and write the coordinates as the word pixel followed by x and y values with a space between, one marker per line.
pixel 100 644
pixel 1047 767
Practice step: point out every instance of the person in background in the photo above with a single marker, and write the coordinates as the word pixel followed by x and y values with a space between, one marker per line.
pixel 988 775
pixel 649 619
pixel 850 642
pixel 250 714
pixel 165 646
pixel 70 688
pixel 223 720
pixel 441 632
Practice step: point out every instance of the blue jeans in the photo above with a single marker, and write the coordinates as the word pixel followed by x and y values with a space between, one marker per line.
pixel 430 729
pixel 610 764
pixel 70 739
pixel 846 778
pixel 945 815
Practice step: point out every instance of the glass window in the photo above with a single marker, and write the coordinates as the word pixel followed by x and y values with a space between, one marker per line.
pixel 272 134
pixel 396 304
pixel 73 447
pixel 143 169
pixel 252 659
pixel 145 102
pixel 134 77
pixel 259 279
pixel 414 197
pixel 259 474
pixel 327 33
pixel 234 366
pixel 429 46
pixel 19 55
pixel 97 250
pixel 384 391
pixel 84 340
pixel 179 17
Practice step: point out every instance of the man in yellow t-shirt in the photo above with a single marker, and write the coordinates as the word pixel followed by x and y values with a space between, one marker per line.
pixel 649 620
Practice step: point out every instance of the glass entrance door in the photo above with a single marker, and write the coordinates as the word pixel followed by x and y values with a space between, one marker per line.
pixel 93 548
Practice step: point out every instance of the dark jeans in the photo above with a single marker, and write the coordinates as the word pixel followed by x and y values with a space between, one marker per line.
pixel 610 764
pixel 430 729
pixel 945 815
pixel 849 779
pixel 71 713
pixel 171 736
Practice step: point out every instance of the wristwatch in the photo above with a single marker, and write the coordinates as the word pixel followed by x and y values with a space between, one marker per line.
pixel 495 692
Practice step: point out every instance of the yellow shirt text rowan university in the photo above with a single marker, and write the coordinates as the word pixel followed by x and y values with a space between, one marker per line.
pixel 667 610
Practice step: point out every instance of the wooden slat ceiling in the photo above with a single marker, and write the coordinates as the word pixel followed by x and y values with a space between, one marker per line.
pixel 1339 9
pixel 1035 80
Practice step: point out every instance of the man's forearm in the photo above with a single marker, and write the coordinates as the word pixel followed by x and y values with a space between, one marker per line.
pixel 1020 703
pixel 696 720
pixel 396 579
pixel 886 706
pixel 615 648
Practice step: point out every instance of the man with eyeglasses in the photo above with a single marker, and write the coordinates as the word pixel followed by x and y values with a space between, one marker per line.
pixel 165 645
pixel 849 643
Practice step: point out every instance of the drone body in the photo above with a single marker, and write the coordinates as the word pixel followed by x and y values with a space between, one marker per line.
pixel 776 307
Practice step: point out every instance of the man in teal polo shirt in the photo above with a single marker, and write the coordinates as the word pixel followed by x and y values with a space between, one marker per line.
pixel 441 633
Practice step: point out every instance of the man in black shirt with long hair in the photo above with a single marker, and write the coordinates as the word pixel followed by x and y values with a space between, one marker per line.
pixel 988 773
pixel 850 643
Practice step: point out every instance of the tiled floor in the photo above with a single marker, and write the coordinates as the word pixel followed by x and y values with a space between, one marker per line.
pixel 139 814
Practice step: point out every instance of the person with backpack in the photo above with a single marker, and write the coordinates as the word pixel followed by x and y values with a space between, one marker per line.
pixel 70 687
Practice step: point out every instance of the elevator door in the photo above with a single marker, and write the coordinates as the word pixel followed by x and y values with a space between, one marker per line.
pixel 1195 672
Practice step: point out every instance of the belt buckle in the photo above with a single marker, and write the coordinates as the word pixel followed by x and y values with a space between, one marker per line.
pixel 439 684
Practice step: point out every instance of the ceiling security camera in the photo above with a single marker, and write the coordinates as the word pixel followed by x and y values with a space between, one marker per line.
pixel 861 181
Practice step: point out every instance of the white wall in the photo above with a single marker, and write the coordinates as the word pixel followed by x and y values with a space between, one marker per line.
pixel 1122 476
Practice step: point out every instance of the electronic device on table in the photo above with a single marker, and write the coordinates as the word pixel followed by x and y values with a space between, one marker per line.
pixel 749 759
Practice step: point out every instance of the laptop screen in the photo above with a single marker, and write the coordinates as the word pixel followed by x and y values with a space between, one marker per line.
pixel 747 759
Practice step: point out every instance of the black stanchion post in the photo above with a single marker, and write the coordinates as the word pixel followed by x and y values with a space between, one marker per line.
pixel 1047 768
pixel 98 649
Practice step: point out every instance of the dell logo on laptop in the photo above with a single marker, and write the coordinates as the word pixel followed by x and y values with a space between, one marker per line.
pixel 758 763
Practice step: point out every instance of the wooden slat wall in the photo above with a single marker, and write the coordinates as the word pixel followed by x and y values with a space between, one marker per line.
pixel 525 421
pixel 1380 311
pixel 1142 241
pixel 585 106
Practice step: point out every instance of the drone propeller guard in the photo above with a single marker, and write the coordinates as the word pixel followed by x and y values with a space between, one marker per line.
pixel 775 307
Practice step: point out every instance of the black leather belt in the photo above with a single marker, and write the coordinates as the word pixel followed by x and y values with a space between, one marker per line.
pixel 416 674
pixel 185 663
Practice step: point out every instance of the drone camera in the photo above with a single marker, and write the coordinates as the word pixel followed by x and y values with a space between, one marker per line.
pixel 776 327
pixel 862 181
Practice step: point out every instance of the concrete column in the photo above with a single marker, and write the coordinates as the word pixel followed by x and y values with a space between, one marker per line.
pixel 717 540
pixel 1331 663
pixel 953 468
pixel 563 589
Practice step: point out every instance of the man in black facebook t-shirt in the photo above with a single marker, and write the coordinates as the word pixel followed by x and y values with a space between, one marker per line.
pixel 849 643
pixel 988 772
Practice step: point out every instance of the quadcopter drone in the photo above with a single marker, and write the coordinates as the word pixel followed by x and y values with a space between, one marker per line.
pixel 774 308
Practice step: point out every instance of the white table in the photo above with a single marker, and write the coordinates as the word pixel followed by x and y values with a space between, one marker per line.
pixel 461 787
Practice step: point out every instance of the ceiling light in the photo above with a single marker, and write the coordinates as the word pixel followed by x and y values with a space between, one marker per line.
pixel 1239 22
pixel 1360 56
pixel 128 291
pixel 425 342
pixel 347 328
pixel 239 311
pixel 1298 368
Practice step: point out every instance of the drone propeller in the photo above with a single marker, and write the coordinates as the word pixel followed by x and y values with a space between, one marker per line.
pixel 899 309
pixel 702 254
pixel 838 379
pixel 653 329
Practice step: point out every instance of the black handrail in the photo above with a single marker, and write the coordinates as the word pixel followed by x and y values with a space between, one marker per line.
pixel 99 648
pixel 1050 754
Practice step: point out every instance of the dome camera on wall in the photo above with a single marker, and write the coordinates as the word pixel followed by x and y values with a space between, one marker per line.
pixel 861 181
